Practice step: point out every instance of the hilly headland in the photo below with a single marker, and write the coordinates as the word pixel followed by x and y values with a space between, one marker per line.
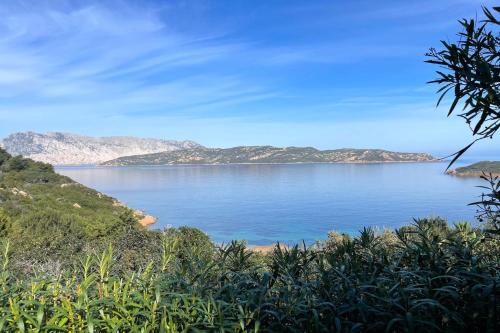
pixel 477 169
pixel 269 154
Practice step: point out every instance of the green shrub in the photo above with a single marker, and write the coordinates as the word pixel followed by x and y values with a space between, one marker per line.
pixel 424 277
pixel 17 163
pixel 4 156
pixel 5 223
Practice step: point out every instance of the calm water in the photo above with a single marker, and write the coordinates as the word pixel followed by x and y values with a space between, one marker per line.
pixel 290 203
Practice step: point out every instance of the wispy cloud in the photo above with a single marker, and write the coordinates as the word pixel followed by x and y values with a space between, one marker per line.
pixel 56 51
pixel 128 59
pixel 64 64
pixel 97 52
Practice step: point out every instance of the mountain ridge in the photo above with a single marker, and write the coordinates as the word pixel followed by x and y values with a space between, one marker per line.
pixel 268 154
pixel 60 148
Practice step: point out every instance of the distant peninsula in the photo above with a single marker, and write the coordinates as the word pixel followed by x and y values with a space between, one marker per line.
pixel 477 169
pixel 268 154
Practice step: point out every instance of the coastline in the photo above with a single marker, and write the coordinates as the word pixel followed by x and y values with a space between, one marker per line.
pixel 249 163
pixel 471 174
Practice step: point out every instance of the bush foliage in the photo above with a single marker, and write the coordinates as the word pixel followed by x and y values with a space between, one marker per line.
pixel 424 277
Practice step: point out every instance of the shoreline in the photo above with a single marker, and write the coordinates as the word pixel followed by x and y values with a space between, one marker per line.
pixel 471 174
pixel 239 163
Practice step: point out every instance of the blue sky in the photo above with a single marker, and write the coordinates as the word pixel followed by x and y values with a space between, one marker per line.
pixel 328 74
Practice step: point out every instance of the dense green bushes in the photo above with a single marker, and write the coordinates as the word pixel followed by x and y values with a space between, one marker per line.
pixel 425 277
pixel 49 218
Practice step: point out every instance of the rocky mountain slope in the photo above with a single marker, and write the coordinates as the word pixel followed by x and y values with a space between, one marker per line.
pixel 477 169
pixel 269 154
pixel 72 149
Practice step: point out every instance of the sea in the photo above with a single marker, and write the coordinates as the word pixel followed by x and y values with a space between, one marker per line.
pixel 289 203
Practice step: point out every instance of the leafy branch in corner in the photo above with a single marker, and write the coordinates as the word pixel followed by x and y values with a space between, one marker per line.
pixel 470 68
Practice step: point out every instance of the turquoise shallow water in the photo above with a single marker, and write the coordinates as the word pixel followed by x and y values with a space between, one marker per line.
pixel 289 203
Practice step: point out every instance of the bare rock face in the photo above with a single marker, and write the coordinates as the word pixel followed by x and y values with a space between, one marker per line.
pixel 144 220
pixel 72 149
pixel 147 220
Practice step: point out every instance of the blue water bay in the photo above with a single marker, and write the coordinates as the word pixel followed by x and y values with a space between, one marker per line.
pixel 289 203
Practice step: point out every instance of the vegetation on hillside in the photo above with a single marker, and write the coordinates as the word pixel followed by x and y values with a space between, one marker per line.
pixel 50 219
pixel 269 154
pixel 478 169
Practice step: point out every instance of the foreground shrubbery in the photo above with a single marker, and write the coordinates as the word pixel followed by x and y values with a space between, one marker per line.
pixel 423 277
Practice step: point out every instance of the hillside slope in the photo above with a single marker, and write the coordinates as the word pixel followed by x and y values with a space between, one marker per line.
pixel 477 169
pixel 66 149
pixel 269 154
pixel 47 216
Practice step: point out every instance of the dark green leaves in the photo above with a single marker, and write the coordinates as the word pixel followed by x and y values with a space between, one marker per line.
pixel 471 67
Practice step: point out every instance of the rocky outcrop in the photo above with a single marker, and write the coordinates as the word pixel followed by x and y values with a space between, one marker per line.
pixel 144 220
pixel 147 220
pixel 72 149
pixel 16 191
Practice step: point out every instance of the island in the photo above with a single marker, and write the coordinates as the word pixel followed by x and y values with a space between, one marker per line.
pixel 477 169
pixel 268 155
